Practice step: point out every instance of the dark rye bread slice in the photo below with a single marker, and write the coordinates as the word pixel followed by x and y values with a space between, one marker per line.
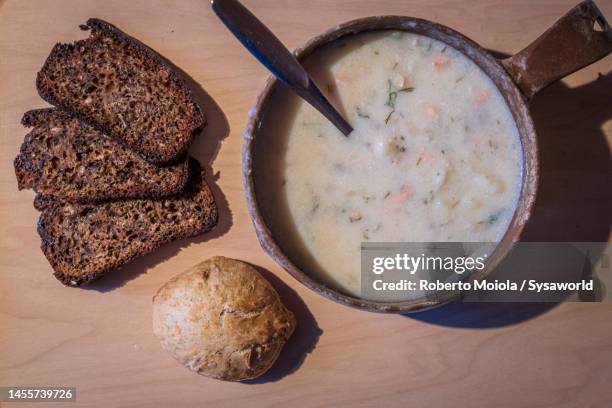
pixel 63 157
pixel 82 242
pixel 123 88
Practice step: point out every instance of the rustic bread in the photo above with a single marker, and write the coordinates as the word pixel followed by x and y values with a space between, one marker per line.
pixel 41 202
pixel 222 319
pixel 124 89
pixel 64 158
pixel 83 241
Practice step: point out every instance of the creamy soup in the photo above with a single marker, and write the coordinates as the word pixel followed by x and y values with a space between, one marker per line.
pixel 434 155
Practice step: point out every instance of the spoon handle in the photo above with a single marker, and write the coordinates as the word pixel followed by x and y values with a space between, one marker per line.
pixel 268 49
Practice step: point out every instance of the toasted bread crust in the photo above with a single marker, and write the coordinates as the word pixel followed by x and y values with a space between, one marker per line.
pixel 106 39
pixel 64 158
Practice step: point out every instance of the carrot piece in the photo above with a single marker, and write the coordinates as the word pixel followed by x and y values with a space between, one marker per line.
pixel 355 216
pixel 441 61
pixel 402 195
pixel 481 97
pixel 430 109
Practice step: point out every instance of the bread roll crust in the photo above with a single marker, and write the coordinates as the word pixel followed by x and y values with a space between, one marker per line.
pixel 222 319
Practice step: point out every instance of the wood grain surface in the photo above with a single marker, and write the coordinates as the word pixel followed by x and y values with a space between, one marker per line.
pixel 99 339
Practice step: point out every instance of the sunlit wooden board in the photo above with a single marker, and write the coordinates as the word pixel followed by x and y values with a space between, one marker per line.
pixel 100 339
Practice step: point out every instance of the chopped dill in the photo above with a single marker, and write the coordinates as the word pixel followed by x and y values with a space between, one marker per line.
pixel 493 218
pixel 389 116
pixel 392 93
pixel 361 114
pixel 367 199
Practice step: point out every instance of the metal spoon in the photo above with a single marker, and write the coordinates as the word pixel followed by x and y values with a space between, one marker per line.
pixel 268 49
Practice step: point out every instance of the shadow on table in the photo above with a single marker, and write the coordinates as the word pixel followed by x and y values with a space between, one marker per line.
pixel 205 148
pixel 302 342
pixel 574 200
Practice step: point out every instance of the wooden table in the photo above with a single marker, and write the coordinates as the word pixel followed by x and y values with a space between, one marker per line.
pixel 463 355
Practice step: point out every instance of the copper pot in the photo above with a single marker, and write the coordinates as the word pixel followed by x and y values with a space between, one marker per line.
pixel 578 39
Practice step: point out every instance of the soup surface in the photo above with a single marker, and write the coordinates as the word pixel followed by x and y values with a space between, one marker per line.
pixel 434 155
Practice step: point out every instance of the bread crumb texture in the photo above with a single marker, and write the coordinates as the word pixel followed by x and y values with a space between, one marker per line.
pixel 83 242
pixel 64 158
pixel 124 89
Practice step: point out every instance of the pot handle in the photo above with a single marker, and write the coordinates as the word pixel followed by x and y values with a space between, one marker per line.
pixel 578 39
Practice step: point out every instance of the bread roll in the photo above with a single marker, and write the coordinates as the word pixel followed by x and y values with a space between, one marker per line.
pixel 222 319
